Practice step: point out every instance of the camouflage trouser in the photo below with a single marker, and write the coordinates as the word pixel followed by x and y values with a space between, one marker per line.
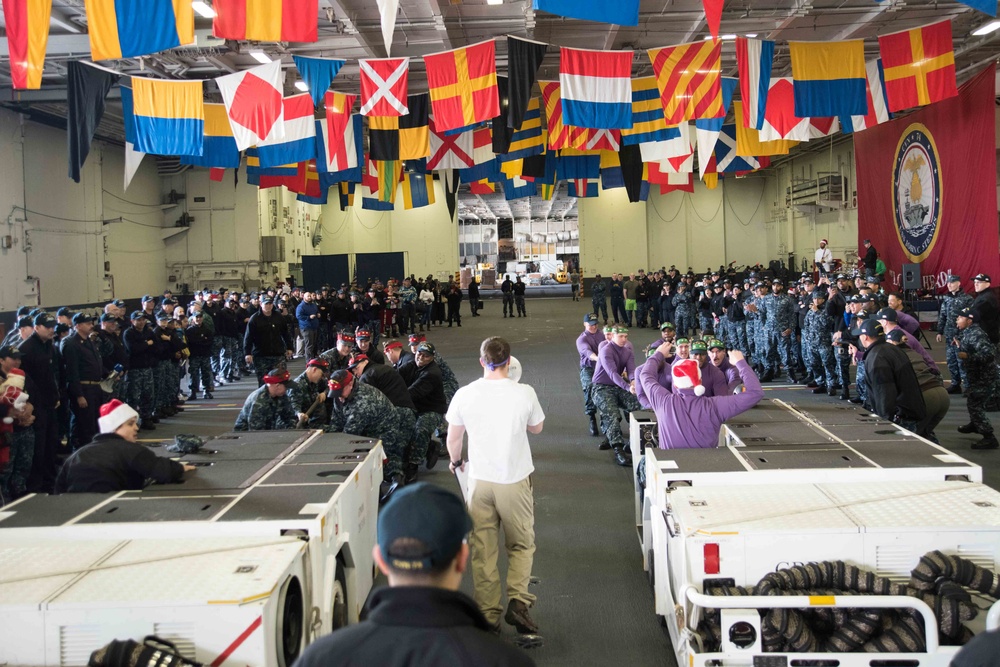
pixel 609 399
pixel 14 477
pixel 822 363
pixel 641 312
pixel 508 304
pixel 806 352
pixel 750 331
pixel 600 307
pixel 161 385
pixel 217 355
pixel 706 324
pixel 229 358
pixel 137 388
pixel 586 380
pixel 261 365
pixel 767 352
pixel 176 372
pixel 519 302
pixel 980 392
pixel 201 373
pixel 737 338
pixel 425 425
pixel 955 365
pixel 779 351
pixel 860 381
pixel 722 330
pixel 844 367
pixel 395 448
pixel 684 324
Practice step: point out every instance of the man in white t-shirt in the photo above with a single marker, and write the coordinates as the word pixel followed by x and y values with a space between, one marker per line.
pixel 824 258
pixel 498 413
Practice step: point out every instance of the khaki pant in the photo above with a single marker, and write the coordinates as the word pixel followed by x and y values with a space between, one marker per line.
pixel 491 505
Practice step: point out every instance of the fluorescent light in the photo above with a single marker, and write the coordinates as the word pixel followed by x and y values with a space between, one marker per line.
pixel 260 56
pixel 301 85
pixel 494 2
pixel 751 35
pixel 726 37
pixel 203 9
pixel 986 29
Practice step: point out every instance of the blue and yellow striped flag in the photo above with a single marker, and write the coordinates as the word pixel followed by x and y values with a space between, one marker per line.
pixel 829 78
pixel 648 120
pixel 169 116
pixel 128 29
pixel 418 190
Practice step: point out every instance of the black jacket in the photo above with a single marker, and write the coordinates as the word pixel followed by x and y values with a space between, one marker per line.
pixel 199 341
pixel 267 336
pixel 987 311
pixel 82 362
pixel 38 361
pixel 892 383
pixel 140 355
pixel 415 627
pixel 227 323
pixel 427 388
pixel 871 257
pixel 388 380
pixel 110 463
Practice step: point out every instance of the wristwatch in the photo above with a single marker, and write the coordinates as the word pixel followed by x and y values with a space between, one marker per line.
pixel 457 464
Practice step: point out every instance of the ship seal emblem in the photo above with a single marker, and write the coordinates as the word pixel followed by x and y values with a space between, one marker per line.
pixel 916 192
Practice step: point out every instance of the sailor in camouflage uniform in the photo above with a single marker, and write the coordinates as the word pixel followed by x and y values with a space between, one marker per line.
pixel 599 297
pixel 760 329
pixel 779 327
pixel 952 304
pixel 978 355
pixel 338 356
pixel 817 339
pixel 683 311
pixel 137 387
pixel 268 408
pixel 304 391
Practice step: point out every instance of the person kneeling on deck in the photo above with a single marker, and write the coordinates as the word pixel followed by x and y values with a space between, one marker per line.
pixel 268 408
pixel 114 461
pixel 688 421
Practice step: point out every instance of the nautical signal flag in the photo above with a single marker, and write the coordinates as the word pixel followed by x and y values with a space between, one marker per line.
pixel 318 74
pixel 338 116
pixel 218 144
pixel 384 82
pixel 298 143
pixel 829 78
pixel 383 137
pixel 688 76
pixel 169 116
pixel 481 188
pixel 781 121
pixel 341 157
pixel 582 188
pixel 529 138
pixel 596 88
pixel 726 158
pixel 523 59
pixel 254 103
pixel 271 21
pixel 878 111
pixel 748 143
pixel 562 136
pixel 648 121
pixel 919 66
pixel 463 85
pixel 130 29
pixel 450 151
pixel 754 60
pixel 27 26
pixel 418 190
pixel 619 12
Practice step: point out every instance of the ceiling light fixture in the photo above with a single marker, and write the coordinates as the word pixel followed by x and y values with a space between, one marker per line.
pixel 301 85
pixel 986 29
pixel 723 38
pixel 494 2
pixel 203 9
pixel 260 56
pixel 751 35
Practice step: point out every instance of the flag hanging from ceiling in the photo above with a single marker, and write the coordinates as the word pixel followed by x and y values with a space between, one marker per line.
pixel 523 60
pixel 383 137
pixel 384 82
pixel 484 160
pixel 298 143
pixel 633 172
pixel 596 88
pixel 579 166
pixel 318 74
pixel 338 108
pixel 919 66
pixel 87 88
pixel 169 116
pixel 648 121
pixel 218 146
pixel 829 78
pixel 688 76
pixel 748 143
pixel 501 133
pixel 601 140
pixel 754 59
pixel 254 103
pixel 560 134
pixel 481 188
pixel 418 190
pixel 414 130
pixel 529 138
pixel 618 12
pixel 271 21
pixel 388 173
pixel 582 188
pixel 27 26
pixel 346 193
pixel 463 85
pixel 129 29
pixel 133 158
pixel 878 112
pixel 713 15
pixel 450 152
pixel 517 188
pixel 387 10
pixel 270 177
pixel 985 6
pixel 726 157
pixel 344 160
pixel 546 191
pixel 781 122
pixel 680 144
pixel 707 130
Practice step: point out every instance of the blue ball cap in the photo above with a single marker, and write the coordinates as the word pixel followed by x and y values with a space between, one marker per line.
pixel 45 320
pixel 590 318
pixel 82 318
pixel 428 514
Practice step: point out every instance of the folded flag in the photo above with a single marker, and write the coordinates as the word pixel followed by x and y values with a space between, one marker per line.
pixel 596 88
pixel 414 130
pixel 27 26
pixel 648 121
pixel 450 152
pixel 619 12
pixel 298 144
pixel 781 122
pixel 218 144
pixel 254 103
pixel 384 82
pixel 169 116
pixel 688 77
pixel 418 190
pixel 754 59
pixel 271 21
pixel 523 60
pixel 463 85
pixel 878 112
pixel 829 78
pixel 128 29
pixel 529 138
pixel 748 143
pixel 919 65
pixel 582 188
pixel 318 74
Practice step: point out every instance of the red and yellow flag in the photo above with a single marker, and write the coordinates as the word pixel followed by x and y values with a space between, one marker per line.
pixel 919 66
pixel 27 25
pixel 689 79
pixel 463 86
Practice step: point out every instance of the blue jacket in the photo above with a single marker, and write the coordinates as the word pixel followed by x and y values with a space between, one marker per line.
pixel 302 314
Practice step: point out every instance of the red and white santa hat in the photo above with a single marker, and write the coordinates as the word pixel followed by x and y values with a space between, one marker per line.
pixel 114 414
pixel 687 375
pixel 824 241
pixel 15 378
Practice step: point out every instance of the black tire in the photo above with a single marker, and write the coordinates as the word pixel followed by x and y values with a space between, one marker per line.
pixel 292 623
pixel 338 616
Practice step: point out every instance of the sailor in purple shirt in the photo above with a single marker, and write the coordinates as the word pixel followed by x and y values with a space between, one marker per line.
pixel 664 378
pixel 613 386
pixel 689 421
pixel 720 359
pixel 587 344
pixel 712 379
pixel 889 319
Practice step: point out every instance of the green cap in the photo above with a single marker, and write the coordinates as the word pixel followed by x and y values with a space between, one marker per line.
pixel 666 325
pixel 716 344
pixel 682 341
pixel 699 346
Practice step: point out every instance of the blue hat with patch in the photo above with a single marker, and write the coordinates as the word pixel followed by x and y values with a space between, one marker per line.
pixel 421 528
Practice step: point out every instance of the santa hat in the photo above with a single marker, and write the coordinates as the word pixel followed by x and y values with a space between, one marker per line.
pixel 687 375
pixel 114 414
pixel 824 241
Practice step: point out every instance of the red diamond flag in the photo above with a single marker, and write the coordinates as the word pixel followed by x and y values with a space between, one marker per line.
pixel 254 104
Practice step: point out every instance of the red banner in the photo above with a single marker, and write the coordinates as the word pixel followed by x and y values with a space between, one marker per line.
pixel 927 188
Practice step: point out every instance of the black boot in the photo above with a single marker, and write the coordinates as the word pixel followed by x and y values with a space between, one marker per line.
pixel 968 428
pixel 410 473
pixel 622 457
pixel 594 431
pixel 791 376
pixel 988 442
pixel 605 445
pixel 820 390
pixel 390 486
pixel 955 388
pixel 433 453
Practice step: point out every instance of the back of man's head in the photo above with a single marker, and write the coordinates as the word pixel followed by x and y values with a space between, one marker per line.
pixel 495 351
